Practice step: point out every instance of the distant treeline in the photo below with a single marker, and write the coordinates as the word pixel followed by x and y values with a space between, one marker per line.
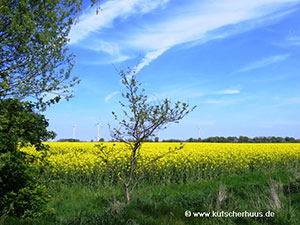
pixel 68 140
pixel 217 139
pixel 241 139
pixel 76 140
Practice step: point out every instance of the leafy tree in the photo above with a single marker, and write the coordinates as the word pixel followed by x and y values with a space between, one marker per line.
pixel 34 61
pixel 243 139
pixel 34 58
pixel 290 139
pixel 190 140
pixel 222 139
pixel 141 121
pixel 232 139
pixel 21 193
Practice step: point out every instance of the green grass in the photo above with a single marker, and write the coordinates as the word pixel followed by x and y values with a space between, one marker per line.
pixel 166 204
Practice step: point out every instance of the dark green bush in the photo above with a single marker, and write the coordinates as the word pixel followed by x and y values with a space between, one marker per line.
pixel 21 193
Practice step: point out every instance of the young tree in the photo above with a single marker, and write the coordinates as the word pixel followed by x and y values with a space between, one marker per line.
pixel 141 121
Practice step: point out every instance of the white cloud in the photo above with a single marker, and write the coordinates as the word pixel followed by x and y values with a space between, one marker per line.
pixel 217 102
pixel 228 92
pixel 192 92
pixel 281 123
pixel 110 96
pixel 194 23
pixel 225 101
pixel 179 92
pixel 111 10
pixel 283 102
pixel 186 23
pixel 112 49
pixel 104 46
pixel 293 40
pixel 264 62
pixel 288 122
pixel 108 60
pixel 150 56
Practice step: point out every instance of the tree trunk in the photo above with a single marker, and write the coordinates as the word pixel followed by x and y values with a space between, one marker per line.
pixel 127 194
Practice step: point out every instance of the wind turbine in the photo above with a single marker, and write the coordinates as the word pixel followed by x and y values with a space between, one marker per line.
pixel 74 131
pixel 98 131
pixel 198 132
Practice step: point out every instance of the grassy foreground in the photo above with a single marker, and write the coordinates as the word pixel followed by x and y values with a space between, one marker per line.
pixel 276 191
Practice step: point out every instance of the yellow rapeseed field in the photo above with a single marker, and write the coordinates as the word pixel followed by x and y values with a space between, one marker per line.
pixel 195 159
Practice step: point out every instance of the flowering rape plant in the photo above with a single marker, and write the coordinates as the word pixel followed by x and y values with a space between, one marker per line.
pixel 197 161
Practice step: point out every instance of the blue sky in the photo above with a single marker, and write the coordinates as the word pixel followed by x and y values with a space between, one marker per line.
pixel 238 61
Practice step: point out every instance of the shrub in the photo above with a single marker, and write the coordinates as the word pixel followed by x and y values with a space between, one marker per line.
pixel 21 193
